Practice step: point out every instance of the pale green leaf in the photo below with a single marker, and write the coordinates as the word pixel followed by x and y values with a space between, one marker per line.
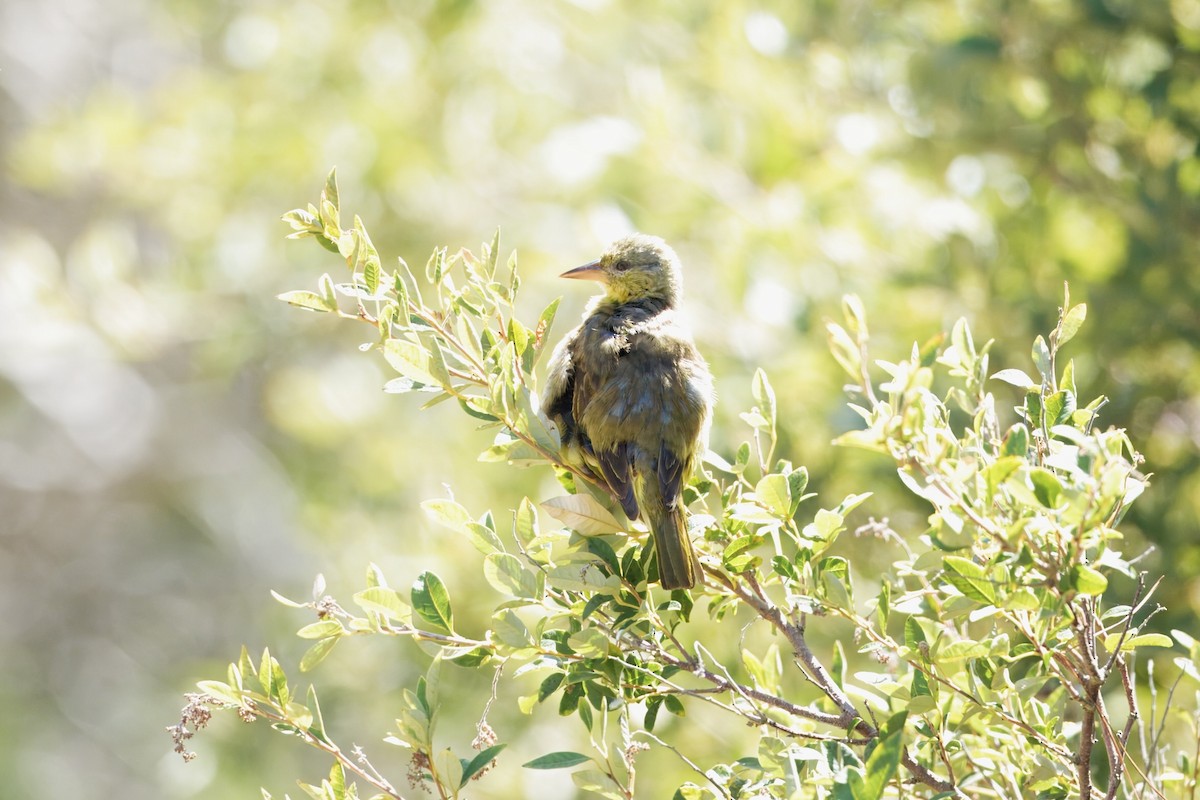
pixel 582 513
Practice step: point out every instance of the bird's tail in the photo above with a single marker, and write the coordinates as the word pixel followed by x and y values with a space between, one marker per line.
pixel 678 567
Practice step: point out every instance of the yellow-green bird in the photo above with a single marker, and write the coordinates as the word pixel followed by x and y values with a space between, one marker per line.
pixel 632 396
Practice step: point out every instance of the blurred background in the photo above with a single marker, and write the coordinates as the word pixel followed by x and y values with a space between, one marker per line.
pixel 174 442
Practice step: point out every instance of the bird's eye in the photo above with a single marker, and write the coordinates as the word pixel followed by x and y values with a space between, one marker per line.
pixel 621 265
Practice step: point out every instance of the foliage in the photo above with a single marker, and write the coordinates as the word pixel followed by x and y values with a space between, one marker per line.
pixel 1001 666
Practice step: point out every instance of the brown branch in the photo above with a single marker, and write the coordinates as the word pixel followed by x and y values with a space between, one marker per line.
pixel 1087 735
pixel 1117 758
pixel 816 672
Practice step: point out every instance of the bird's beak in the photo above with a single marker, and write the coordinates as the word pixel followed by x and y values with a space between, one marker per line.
pixel 589 272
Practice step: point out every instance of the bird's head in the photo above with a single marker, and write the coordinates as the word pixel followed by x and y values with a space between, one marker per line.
pixel 637 267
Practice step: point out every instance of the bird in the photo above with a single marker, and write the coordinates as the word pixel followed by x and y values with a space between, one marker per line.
pixel 632 396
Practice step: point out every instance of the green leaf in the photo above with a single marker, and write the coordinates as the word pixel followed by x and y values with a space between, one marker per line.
pixel 969 578
pixel 797 483
pixel 1046 487
pixel 409 359
pixel 561 759
pixel 737 557
pixel 545 321
pixel 855 315
pixel 845 350
pixel 317 653
pixel 825 525
pixel 589 643
pixel 308 300
pixel 1059 407
pixel 493 254
pixel 220 691
pixel 509 576
pixel 583 513
pixel 508 629
pixel 366 258
pixel 480 761
pixel 774 492
pixel 447 513
pixel 525 524
pixel 484 538
pixel 337 781
pixel 384 601
pixel 319 630
pixel 1086 580
pixel 449 769
pixel 1147 640
pixel 1016 443
pixel 329 194
pixel 764 395
pixel 432 602
pixel 1041 359
pixel 1068 377
pixel 1071 323
pixel 883 762
pixel 1016 377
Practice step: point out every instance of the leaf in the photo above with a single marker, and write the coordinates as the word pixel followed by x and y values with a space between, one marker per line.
pixel 1086 580
pixel 1016 377
pixel 589 643
pixel 509 629
pixel 883 763
pixel 220 691
pixel 307 300
pixel 561 759
pixel 1059 407
pixel 845 350
pixel 797 482
pixel 410 359
pixel 593 780
pixel 480 761
pixel 367 258
pixel 1071 323
pixel 319 630
pixel 447 513
pixel 337 781
pixel 285 601
pixel 329 194
pixel 484 538
pixel 449 769
pixel 969 578
pixel 508 576
pixel 385 601
pixel 582 513
pixel 825 524
pixel 1016 443
pixel 432 602
pixel 1046 487
pixel 317 653
pixel 1041 358
pixel 764 395
pixel 774 492
pixel 1147 640
pixel 525 524
pixel 715 460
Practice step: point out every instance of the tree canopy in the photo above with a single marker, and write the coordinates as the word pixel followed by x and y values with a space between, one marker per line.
pixel 178 443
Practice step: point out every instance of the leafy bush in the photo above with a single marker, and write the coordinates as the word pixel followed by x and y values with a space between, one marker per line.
pixel 1002 672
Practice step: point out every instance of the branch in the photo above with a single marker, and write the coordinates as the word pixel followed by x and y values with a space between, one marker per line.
pixel 849 718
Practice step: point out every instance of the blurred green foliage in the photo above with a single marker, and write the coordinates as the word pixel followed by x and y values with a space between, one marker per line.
pixel 173 443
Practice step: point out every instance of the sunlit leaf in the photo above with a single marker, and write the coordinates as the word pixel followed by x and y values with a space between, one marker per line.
pixel 432 602
pixel 583 513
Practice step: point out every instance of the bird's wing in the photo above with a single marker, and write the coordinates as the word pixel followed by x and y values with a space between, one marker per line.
pixel 617 468
pixel 559 395
pixel 670 475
